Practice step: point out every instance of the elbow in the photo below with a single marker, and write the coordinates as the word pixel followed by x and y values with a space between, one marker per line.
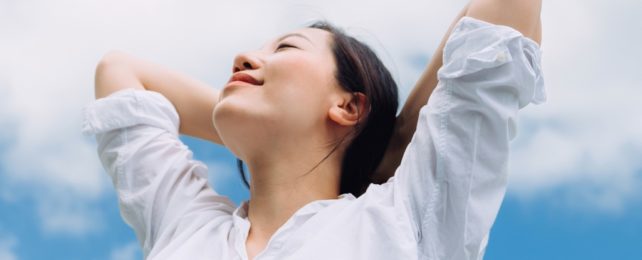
pixel 108 61
pixel 112 56
pixel 113 72
pixel 106 70
pixel 522 15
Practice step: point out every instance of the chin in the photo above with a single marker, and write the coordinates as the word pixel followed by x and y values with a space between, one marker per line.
pixel 240 124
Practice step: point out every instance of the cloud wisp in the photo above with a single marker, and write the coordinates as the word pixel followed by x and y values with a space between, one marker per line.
pixel 585 143
pixel 7 245
pixel 129 251
pixel 585 140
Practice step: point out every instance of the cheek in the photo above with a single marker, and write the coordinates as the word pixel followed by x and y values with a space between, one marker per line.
pixel 304 70
pixel 295 96
pixel 301 101
pixel 301 82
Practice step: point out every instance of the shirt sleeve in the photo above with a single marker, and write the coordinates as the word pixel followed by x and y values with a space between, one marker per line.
pixel 156 180
pixel 452 177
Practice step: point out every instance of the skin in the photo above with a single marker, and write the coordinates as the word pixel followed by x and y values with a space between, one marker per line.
pixel 301 114
pixel 296 117
pixel 523 15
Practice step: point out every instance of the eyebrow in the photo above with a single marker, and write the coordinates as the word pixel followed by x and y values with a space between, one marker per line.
pixel 292 35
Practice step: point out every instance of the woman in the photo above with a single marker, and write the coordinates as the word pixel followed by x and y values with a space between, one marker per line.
pixel 312 114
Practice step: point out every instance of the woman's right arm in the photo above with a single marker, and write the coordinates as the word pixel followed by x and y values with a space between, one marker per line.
pixel 194 100
pixel 154 174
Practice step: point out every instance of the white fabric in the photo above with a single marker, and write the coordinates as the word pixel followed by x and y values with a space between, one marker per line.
pixel 440 204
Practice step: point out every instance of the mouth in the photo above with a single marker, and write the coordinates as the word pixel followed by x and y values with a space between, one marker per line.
pixel 245 78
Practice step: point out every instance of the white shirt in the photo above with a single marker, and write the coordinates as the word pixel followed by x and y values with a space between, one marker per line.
pixel 440 204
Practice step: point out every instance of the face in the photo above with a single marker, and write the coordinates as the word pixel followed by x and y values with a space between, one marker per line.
pixel 292 89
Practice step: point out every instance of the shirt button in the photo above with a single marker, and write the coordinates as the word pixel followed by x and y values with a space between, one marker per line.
pixel 501 57
pixel 277 244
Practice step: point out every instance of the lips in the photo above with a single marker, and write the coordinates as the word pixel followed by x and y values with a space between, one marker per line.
pixel 243 77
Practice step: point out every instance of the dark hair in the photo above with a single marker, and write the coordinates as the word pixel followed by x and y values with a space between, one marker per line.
pixel 360 70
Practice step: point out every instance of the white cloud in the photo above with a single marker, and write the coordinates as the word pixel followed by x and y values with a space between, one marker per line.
pixel 585 139
pixel 68 213
pixel 129 251
pixel 7 245
pixel 49 54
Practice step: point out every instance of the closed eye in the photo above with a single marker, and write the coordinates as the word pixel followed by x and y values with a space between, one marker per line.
pixel 285 45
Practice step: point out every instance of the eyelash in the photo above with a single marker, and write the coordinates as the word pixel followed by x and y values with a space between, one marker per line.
pixel 285 45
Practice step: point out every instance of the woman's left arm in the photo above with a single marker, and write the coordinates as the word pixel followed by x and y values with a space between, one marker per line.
pixel 406 122
pixel 494 11
pixel 453 174
pixel 521 15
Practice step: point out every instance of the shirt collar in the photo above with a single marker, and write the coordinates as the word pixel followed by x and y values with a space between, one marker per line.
pixel 242 224
pixel 240 213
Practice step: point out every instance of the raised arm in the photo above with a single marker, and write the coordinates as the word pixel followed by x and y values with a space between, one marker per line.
pixel 194 100
pixel 523 15
pixel 406 122
pixel 453 176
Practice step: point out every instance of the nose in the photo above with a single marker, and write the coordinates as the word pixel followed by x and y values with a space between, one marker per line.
pixel 246 61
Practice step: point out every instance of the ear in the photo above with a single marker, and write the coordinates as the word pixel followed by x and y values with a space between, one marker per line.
pixel 349 109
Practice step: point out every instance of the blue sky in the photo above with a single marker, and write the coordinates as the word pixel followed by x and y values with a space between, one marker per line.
pixel 575 168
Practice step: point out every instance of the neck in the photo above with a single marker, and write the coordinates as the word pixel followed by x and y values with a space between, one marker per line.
pixel 283 183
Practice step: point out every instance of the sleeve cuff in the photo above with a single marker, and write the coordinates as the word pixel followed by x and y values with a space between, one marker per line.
pixel 130 107
pixel 476 46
